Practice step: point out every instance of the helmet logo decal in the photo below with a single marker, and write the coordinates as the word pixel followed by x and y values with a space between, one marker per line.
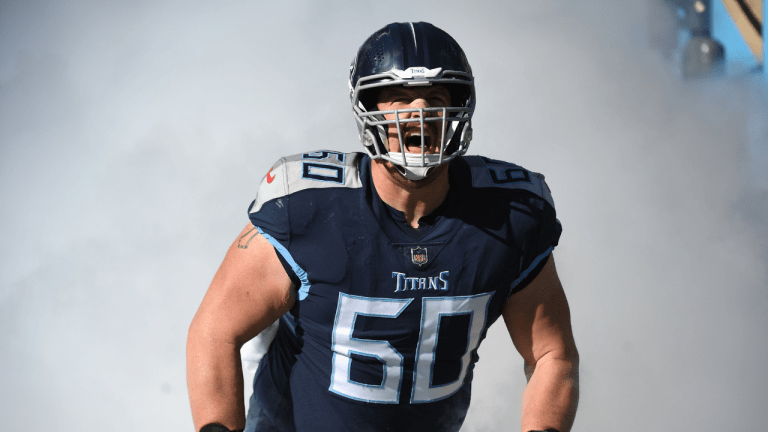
pixel 419 256
pixel 271 178
pixel 417 72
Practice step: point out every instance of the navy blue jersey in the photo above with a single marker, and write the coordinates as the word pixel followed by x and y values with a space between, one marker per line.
pixel 385 330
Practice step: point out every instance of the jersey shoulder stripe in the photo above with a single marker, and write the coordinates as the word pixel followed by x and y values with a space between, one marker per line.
pixel 313 170
pixel 491 173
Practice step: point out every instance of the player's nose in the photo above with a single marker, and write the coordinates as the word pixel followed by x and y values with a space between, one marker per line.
pixel 419 103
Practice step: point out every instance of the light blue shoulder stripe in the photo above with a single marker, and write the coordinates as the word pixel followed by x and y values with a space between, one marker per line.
pixel 300 272
pixel 530 268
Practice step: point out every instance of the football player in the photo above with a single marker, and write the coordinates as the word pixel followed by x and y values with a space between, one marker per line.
pixel 385 268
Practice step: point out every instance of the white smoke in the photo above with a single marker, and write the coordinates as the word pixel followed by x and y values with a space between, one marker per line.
pixel 133 136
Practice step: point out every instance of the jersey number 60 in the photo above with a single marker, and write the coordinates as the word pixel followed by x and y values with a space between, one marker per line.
pixel 432 309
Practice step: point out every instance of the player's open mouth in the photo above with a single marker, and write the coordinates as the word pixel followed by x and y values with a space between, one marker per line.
pixel 413 143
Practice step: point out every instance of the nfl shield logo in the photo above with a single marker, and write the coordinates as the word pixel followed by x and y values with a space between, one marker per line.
pixel 419 256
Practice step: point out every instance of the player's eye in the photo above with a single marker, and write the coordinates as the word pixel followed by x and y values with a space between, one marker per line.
pixel 439 101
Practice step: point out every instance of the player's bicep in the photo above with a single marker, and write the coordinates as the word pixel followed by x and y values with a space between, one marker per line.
pixel 538 318
pixel 250 290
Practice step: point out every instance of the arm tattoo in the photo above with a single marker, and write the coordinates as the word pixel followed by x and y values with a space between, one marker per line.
pixel 244 245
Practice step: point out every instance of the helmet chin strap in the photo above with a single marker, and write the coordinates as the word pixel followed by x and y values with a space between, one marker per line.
pixel 412 170
pixel 413 173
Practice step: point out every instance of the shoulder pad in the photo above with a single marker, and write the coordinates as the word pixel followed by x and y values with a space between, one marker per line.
pixel 491 173
pixel 318 169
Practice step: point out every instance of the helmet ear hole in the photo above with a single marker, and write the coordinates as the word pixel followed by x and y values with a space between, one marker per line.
pixel 372 145
pixel 466 136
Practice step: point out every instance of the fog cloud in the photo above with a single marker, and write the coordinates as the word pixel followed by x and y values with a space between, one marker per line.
pixel 133 136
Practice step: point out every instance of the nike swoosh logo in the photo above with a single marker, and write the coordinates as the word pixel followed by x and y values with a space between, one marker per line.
pixel 270 179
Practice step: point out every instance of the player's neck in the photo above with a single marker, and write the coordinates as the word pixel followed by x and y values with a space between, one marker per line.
pixel 414 199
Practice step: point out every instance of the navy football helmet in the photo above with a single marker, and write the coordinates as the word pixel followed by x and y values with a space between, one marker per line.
pixel 412 54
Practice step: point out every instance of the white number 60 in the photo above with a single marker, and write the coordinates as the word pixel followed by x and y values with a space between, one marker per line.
pixel 433 308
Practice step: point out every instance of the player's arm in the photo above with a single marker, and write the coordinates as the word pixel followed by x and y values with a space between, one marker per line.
pixel 250 291
pixel 539 321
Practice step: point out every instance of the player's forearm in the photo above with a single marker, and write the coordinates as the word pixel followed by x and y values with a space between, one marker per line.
pixel 215 381
pixel 552 395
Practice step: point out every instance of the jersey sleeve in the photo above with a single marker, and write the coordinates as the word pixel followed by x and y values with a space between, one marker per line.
pixel 269 215
pixel 269 211
pixel 534 228
pixel 285 194
pixel 544 235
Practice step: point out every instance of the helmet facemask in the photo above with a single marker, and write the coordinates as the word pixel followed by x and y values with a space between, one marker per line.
pixel 453 124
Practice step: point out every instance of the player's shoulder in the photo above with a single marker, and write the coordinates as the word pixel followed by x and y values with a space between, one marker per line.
pixel 486 173
pixel 314 170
